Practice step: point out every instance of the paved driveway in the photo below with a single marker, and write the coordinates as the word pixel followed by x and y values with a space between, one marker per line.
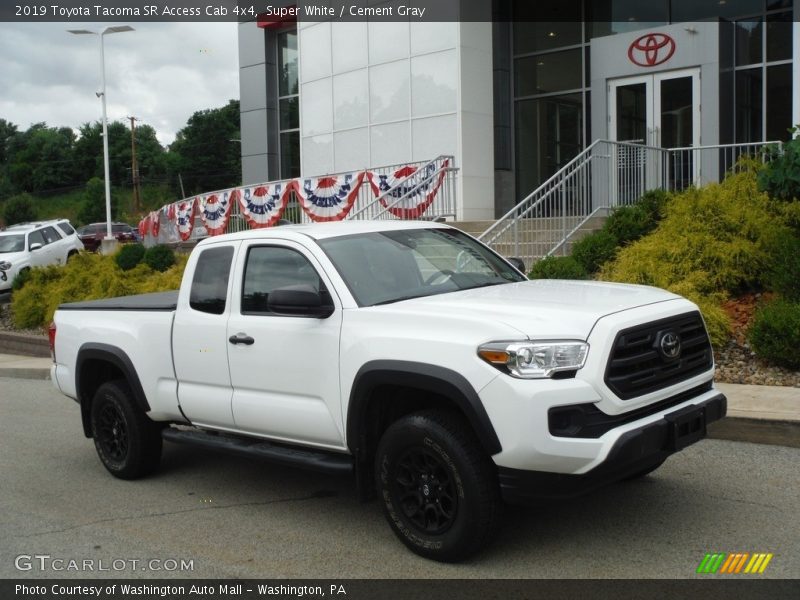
pixel 241 518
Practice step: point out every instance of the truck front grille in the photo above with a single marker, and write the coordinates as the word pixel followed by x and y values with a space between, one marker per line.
pixel 641 359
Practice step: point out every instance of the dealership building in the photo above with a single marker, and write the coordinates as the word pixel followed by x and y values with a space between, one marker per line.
pixel 516 96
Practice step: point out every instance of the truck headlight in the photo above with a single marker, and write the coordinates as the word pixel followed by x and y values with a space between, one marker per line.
pixel 5 265
pixel 535 360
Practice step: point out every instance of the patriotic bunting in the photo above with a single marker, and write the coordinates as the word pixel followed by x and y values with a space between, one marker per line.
pixel 216 210
pixel 263 205
pixel 155 224
pixel 409 196
pixel 184 218
pixel 328 198
pixel 407 193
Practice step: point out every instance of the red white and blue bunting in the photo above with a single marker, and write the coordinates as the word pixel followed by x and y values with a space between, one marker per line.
pixel 155 224
pixel 263 205
pixel 144 226
pixel 328 198
pixel 409 195
pixel 184 218
pixel 216 210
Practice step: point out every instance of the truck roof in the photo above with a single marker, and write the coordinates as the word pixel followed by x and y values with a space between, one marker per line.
pixel 319 231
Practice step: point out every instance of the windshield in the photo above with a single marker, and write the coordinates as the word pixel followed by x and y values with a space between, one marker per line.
pixel 388 266
pixel 12 243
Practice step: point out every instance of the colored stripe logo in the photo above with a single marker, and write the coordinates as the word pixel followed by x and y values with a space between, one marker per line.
pixel 734 563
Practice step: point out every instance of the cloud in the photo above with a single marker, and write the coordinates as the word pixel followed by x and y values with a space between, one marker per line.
pixel 160 73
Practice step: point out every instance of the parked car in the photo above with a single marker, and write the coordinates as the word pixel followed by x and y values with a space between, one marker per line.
pixel 407 354
pixel 92 235
pixel 35 245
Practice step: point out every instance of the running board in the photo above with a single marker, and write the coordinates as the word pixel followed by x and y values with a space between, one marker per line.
pixel 315 460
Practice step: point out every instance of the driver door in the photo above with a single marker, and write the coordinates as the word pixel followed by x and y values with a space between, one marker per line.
pixel 285 378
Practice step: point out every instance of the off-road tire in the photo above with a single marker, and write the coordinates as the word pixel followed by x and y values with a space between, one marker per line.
pixel 127 441
pixel 438 487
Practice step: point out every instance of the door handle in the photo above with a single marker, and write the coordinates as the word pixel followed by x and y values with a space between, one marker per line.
pixel 241 338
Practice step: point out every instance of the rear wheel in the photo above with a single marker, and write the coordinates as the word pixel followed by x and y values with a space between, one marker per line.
pixel 438 487
pixel 127 441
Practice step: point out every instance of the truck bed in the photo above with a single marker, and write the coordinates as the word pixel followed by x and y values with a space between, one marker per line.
pixel 158 301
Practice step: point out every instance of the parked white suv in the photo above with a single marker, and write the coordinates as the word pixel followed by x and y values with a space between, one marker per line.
pixel 30 245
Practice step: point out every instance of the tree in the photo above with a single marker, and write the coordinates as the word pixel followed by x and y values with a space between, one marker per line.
pixel 93 209
pixel 7 131
pixel 150 154
pixel 203 152
pixel 41 159
pixel 19 209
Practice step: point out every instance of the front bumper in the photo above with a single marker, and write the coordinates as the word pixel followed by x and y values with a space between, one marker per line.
pixel 633 452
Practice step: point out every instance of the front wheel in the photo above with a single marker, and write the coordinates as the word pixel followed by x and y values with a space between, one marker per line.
pixel 127 441
pixel 438 487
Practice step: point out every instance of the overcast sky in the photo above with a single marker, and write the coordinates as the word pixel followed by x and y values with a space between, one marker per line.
pixel 160 73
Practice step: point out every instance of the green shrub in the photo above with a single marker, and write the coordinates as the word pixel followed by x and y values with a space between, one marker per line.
pixel 129 256
pixel 712 242
pixel 781 176
pixel 20 280
pixel 595 250
pixel 159 258
pixel 714 238
pixel 558 267
pixel 654 203
pixel 775 333
pixel 783 273
pixel 629 223
pixel 87 276
pixel 19 209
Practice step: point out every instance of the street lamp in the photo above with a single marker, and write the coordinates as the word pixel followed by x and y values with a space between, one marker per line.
pixel 110 241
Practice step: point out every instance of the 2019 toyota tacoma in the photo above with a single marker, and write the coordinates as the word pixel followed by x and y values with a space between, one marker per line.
pixel 406 353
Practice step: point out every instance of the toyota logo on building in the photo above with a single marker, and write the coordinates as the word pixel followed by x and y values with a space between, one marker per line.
pixel 670 345
pixel 651 49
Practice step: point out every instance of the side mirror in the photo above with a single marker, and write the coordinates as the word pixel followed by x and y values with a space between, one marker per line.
pixel 298 301
pixel 518 264
pixel 35 246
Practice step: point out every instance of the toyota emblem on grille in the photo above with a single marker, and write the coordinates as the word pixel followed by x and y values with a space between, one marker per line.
pixel 671 345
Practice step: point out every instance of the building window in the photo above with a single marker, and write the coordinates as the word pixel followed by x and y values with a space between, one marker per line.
pixel 763 99
pixel 288 105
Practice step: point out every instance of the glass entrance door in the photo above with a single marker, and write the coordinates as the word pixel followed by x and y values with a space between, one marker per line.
pixel 660 111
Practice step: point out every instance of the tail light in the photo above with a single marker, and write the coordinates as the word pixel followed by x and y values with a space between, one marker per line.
pixel 51 334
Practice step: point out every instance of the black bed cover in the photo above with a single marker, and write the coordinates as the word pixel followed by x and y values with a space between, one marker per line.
pixel 158 301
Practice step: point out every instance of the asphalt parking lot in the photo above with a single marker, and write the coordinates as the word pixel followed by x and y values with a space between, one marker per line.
pixel 239 518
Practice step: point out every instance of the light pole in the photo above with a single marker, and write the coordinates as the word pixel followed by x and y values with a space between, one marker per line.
pixel 109 243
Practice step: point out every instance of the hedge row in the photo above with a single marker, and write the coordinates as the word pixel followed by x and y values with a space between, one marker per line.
pixel 87 276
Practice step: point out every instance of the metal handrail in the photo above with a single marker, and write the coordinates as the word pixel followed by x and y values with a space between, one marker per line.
pixel 545 220
pixel 381 197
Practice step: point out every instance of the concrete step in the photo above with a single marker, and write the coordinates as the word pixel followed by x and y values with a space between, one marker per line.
pixel 24 344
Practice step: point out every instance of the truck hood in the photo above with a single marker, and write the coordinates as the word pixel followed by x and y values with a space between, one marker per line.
pixel 539 309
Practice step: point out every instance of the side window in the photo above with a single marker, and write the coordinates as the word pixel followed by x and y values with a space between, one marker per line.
pixel 50 235
pixel 271 267
pixel 66 228
pixel 36 237
pixel 210 280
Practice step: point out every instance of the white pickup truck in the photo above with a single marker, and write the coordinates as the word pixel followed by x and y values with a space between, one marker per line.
pixel 406 353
